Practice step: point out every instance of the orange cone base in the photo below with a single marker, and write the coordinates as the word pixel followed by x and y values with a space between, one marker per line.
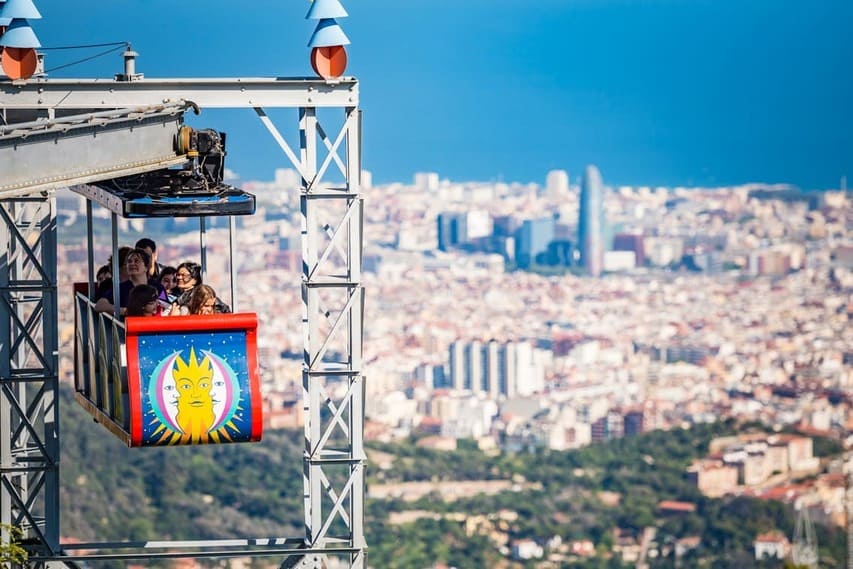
pixel 18 62
pixel 329 62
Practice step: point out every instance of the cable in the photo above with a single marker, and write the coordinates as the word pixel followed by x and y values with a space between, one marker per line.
pixel 121 46
pixel 85 46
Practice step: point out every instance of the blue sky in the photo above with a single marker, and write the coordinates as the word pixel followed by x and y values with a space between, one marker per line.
pixel 654 92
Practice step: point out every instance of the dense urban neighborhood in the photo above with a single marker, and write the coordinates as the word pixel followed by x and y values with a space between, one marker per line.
pixel 493 326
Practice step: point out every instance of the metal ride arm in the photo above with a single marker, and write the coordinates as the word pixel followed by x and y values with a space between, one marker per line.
pixel 333 384
pixel 42 155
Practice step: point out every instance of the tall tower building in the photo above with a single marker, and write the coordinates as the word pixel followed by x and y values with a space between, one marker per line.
pixel 493 368
pixel 507 370
pixel 591 222
pixel 557 184
pixel 457 365
pixel 474 366
pixel 529 374
pixel 531 239
pixel 491 361
pixel 458 228
pixel 426 181
pixel 448 230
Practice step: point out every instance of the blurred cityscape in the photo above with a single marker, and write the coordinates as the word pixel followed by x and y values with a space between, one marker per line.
pixel 558 315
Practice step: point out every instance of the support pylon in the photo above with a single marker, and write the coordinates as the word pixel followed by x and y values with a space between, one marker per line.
pixel 804 550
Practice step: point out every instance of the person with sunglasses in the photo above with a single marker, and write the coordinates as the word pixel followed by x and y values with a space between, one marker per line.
pixel 189 278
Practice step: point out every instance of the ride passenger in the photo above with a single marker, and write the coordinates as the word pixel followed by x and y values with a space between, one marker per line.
pixel 202 300
pixel 144 300
pixel 149 246
pixel 188 279
pixel 103 280
pixel 136 265
pixel 107 283
pixel 168 281
pixel 105 272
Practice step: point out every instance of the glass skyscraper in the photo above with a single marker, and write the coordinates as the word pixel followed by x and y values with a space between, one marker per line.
pixel 531 239
pixel 591 222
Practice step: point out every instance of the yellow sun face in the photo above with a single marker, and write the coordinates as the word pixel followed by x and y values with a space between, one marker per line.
pixel 194 382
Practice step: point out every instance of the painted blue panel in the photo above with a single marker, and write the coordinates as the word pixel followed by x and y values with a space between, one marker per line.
pixel 195 388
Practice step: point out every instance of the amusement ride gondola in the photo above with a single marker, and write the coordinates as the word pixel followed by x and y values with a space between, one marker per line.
pixel 180 380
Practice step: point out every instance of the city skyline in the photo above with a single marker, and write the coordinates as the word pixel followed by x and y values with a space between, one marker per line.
pixel 659 93
pixel 498 316
pixel 735 306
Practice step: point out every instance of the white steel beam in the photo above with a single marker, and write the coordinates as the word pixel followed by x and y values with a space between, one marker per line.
pixel 240 92
pixel 48 154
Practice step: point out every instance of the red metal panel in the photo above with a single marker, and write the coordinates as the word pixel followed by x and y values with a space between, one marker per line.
pixel 134 386
pixel 192 323
pixel 255 380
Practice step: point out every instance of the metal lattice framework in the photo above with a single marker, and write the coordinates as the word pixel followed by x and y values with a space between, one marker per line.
pixel 29 443
pixel 331 287
pixel 848 501
pixel 332 313
pixel 804 551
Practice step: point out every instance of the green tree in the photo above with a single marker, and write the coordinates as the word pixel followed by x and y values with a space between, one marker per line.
pixel 11 552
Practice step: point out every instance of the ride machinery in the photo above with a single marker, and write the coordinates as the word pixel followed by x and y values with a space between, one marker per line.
pixel 122 143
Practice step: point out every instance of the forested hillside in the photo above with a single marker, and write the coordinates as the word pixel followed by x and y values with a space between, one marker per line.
pixel 583 495
pixel 111 492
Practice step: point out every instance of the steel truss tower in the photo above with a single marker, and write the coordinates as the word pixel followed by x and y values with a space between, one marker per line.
pixel 848 500
pixel 804 550
pixel 29 425
pixel 328 159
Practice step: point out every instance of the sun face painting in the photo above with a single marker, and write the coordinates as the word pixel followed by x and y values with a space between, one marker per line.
pixel 195 389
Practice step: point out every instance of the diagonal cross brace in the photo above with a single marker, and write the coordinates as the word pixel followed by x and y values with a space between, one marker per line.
pixel 25 328
pixel 333 150
pixel 337 417
pixel 335 237
pixel 21 240
pixel 355 293
pixel 339 502
pixel 13 400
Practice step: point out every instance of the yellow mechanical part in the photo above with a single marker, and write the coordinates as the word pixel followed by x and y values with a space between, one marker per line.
pixel 184 138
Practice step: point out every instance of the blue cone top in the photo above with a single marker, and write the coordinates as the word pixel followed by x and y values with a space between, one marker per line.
pixel 322 9
pixel 4 21
pixel 13 9
pixel 19 34
pixel 328 33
